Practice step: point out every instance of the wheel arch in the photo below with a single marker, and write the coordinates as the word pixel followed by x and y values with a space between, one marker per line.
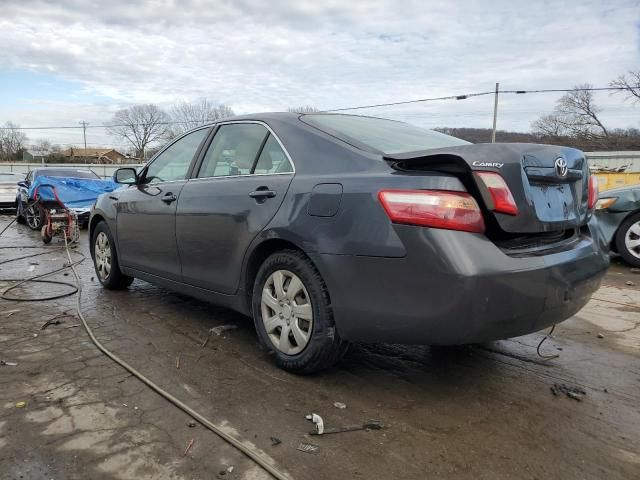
pixel 257 257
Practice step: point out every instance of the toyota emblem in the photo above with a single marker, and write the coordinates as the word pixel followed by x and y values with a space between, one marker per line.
pixel 561 167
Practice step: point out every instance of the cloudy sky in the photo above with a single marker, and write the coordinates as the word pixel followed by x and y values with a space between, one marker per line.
pixel 64 61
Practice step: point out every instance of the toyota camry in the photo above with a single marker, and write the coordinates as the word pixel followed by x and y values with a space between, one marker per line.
pixel 328 229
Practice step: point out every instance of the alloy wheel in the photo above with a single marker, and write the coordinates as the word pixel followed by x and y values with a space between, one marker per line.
pixel 286 312
pixel 102 253
pixel 632 239
pixel 32 214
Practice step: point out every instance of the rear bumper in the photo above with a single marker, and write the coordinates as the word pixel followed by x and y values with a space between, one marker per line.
pixel 455 287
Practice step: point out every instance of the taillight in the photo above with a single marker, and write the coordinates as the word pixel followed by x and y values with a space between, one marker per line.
pixel 433 208
pixel 503 201
pixel 593 192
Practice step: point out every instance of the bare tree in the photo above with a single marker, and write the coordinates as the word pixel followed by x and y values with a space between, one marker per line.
pixel 12 141
pixel 140 125
pixel 42 145
pixel 188 115
pixel 630 86
pixel 548 126
pixel 304 109
pixel 575 115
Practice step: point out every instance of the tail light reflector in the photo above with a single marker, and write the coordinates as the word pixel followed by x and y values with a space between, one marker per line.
pixel 503 201
pixel 433 208
pixel 593 192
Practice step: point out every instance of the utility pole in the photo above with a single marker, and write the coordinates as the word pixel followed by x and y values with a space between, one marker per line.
pixel 495 114
pixel 84 133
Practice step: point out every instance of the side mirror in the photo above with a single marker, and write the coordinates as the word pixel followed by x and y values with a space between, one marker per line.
pixel 23 184
pixel 126 176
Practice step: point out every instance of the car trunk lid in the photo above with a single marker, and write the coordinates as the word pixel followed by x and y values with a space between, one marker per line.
pixel 549 183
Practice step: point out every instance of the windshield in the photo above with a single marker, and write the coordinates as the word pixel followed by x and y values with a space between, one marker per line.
pixel 66 172
pixel 386 136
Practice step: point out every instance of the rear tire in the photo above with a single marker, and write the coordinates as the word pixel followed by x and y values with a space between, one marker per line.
pixel 290 293
pixel 105 259
pixel 628 240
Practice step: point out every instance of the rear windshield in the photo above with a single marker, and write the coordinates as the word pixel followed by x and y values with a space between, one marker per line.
pixel 386 136
pixel 66 172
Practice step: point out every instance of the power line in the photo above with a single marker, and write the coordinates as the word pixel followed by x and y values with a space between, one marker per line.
pixel 479 94
pixel 359 107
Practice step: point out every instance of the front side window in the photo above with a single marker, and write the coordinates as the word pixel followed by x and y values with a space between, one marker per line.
pixel 233 150
pixel 173 163
pixel 386 136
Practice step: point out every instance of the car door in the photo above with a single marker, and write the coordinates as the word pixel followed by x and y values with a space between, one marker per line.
pixel 145 219
pixel 238 188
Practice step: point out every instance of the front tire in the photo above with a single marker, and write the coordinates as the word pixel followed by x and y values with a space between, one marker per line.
pixel 293 315
pixel 105 259
pixel 628 240
pixel 34 216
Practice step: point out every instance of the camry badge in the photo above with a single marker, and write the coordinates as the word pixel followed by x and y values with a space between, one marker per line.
pixel 561 167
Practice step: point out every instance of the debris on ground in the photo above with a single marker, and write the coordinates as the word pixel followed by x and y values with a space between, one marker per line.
pixel 8 313
pixel 188 447
pixel 635 270
pixel 369 425
pixel 218 331
pixel 600 335
pixel 178 362
pixel 308 448
pixel 317 421
pixel 630 283
pixel 192 424
pixel 21 404
pixel 275 441
pixel 221 329
pixel 4 363
pixel 230 469
pixel 576 393
pixel 55 320
pixel 48 323
pixel 339 405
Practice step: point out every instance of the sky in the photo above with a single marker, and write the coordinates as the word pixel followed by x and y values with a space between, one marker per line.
pixel 67 61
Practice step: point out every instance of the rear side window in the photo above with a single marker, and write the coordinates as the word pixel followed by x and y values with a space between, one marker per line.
pixel 272 159
pixel 386 136
pixel 233 150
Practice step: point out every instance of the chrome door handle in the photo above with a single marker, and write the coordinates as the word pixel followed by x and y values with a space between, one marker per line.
pixel 169 198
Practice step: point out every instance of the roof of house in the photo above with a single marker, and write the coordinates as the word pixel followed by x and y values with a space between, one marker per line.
pixel 89 152
pixel 37 153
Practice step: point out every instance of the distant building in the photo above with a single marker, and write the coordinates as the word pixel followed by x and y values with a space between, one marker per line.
pixel 34 156
pixel 94 155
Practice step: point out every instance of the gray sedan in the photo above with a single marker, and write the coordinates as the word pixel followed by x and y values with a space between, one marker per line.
pixel 618 213
pixel 329 229
pixel 8 188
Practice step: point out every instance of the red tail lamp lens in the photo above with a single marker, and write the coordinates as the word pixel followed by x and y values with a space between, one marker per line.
pixel 433 208
pixel 503 201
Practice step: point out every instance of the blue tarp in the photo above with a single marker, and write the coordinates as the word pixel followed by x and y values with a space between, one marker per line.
pixel 74 192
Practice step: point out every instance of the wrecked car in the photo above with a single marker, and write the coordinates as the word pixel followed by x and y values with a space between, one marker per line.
pixel 618 213
pixel 328 229
pixel 77 188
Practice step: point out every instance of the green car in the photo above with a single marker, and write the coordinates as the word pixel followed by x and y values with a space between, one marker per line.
pixel 618 213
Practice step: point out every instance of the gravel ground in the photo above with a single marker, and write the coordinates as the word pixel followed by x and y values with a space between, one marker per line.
pixel 483 411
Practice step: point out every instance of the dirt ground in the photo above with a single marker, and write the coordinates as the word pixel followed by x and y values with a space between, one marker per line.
pixel 475 412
